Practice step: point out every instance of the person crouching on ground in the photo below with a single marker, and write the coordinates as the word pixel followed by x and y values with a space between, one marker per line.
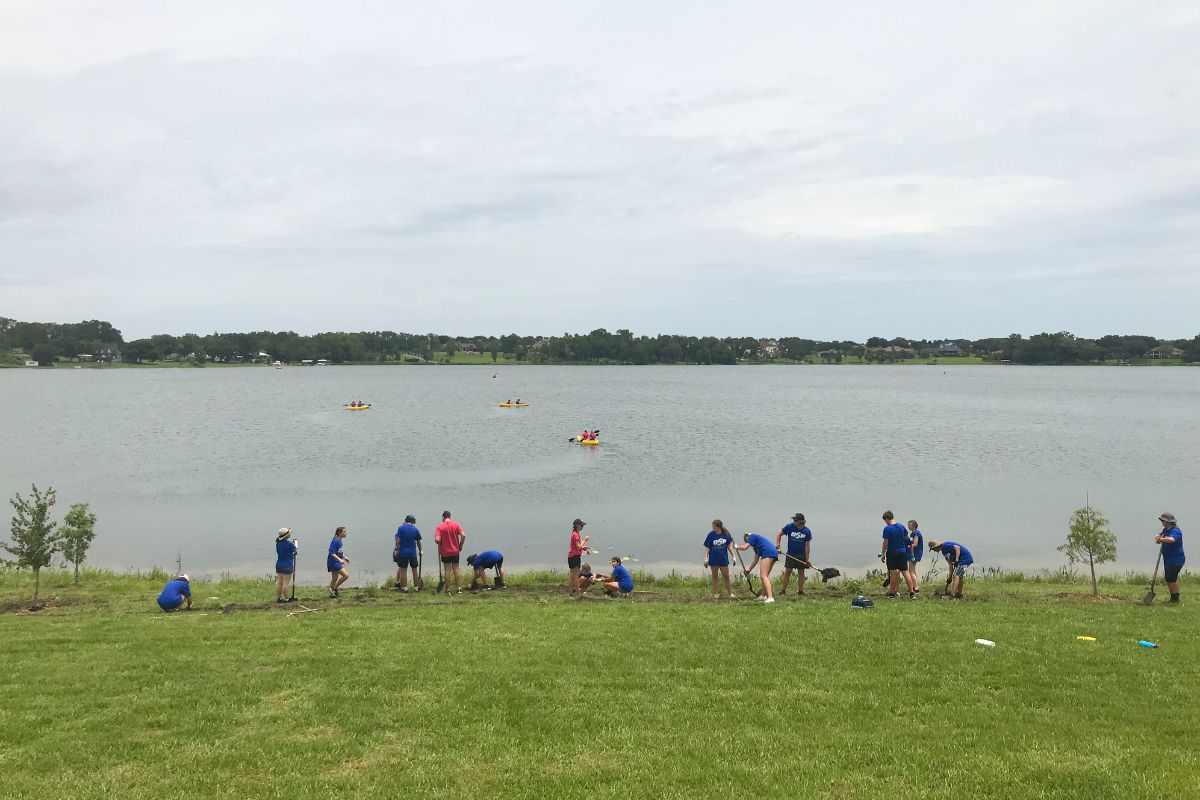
pixel 1170 540
pixel 916 551
pixel 799 552
pixel 894 552
pixel 175 593
pixel 958 558
pixel 407 554
pixel 336 563
pixel 481 563
pixel 765 555
pixel 586 577
pixel 450 539
pixel 285 564
pixel 619 581
pixel 717 547
pixel 575 550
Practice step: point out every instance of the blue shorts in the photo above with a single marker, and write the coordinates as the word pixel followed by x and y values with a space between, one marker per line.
pixel 626 588
pixel 283 569
pixel 1171 572
pixel 334 566
pixel 166 607
pixel 715 564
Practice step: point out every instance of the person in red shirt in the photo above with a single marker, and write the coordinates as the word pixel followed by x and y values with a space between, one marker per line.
pixel 575 553
pixel 450 537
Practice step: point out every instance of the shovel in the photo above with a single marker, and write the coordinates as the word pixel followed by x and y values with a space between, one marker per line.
pixel 1149 598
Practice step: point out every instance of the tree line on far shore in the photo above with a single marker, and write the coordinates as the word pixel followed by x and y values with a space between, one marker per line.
pixel 98 340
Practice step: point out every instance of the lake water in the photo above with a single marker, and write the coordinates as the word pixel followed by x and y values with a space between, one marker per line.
pixel 210 462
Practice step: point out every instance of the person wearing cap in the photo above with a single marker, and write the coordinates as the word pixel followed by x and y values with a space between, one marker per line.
pixel 718 546
pixel 916 551
pixel 799 547
pixel 894 553
pixel 480 562
pixel 765 555
pixel 285 564
pixel 175 593
pixel 1170 541
pixel 958 558
pixel 575 550
pixel 336 563
pixel 450 538
pixel 407 554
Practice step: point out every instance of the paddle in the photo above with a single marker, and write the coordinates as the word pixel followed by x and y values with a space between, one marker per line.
pixel 1149 598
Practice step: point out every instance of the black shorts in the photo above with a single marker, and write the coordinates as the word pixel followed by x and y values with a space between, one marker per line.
pixel 794 562
pixel 1171 572
pixel 897 559
pixel 405 562
pixel 452 559
pixel 498 565
pixel 573 562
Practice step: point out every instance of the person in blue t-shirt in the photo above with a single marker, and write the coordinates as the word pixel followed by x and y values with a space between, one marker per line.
pixel 799 550
pixel 1170 540
pixel 407 554
pixel 916 551
pixel 894 553
pixel 765 555
pixel 619 581
pixel 486 560
pixel 717 547
pixel 958 558
pixel 336 563
pixel 285 565
pixel 175 593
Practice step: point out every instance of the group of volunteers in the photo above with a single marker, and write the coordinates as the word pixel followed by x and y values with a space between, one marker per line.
pixel 902 549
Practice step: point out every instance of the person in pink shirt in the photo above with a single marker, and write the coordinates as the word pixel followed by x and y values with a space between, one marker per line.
pixel 575 553
pixel 450 537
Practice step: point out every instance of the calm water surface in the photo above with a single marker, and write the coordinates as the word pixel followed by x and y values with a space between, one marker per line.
pixel 211 462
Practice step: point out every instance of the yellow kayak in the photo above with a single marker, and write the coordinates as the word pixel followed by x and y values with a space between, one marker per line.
pixel 363 407
pixel 588 442
pixel 514 405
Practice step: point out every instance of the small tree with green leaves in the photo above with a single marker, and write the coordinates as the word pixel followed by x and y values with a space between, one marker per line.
pixel 33 539
pixel 78 530
pixel 1089 541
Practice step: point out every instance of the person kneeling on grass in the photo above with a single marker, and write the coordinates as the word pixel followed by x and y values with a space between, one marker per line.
pixel 285 564
pixel 619 582
pixel 336 563
pixel 765 555
pixel 175 593
pixel 484 561
pixel 958 558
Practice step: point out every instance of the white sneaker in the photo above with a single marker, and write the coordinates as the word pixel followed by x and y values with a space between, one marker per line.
pixel 767 599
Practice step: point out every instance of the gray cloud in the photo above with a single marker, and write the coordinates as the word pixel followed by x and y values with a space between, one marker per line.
pixel 766 169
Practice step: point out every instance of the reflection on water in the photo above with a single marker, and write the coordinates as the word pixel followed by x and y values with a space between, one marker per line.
pixel 213 461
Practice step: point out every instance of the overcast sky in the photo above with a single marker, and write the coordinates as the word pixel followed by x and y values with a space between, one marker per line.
pixel 828 170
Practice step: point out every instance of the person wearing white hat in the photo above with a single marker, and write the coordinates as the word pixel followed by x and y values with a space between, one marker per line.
pixel 285 565
pixel 175 593
pixel 1170 540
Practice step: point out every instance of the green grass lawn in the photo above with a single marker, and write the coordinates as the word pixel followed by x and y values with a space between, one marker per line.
pixel 526 693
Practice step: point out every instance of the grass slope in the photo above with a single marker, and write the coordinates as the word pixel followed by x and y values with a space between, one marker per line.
pixel 528 694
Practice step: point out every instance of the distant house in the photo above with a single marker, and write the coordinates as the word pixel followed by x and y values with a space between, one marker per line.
pixel 467 347
pixel 949 349
pixel 768 348
pixel 29 363
pixel 322 362
pixel 85 357
pixel 308 362
pixel 260 357
pixel 539 344
pixel 1165 351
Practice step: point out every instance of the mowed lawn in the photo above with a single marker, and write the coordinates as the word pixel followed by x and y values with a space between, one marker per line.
pixel 528 694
